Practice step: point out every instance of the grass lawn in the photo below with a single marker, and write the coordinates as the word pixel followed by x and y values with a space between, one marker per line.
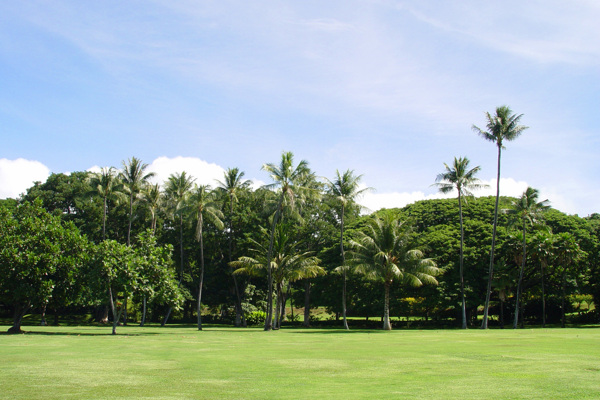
pixel 226 363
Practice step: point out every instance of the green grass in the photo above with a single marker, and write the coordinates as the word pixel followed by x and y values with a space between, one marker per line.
pixel 226 363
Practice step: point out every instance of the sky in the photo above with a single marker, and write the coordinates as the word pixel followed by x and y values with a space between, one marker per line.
pixel 389 89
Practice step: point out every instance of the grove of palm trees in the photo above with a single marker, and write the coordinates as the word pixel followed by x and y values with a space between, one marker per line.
pixel 88 243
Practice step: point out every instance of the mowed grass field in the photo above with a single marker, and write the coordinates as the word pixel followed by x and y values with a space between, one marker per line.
pixel 227 363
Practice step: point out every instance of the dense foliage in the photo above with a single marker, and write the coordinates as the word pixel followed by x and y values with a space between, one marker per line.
pixel 64 247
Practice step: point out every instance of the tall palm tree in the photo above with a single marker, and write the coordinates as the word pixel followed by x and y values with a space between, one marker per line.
pixel 287 264
pixel 105 184
pixel 177 190
pixel 232 184
pixel 462 179
pixel 203 202
pixel 386 254
pixel 345 189
pixel 502 126
pixel 152 196
pixel 288 179
pixel 134 177
pixel 542 250
pixel 529 211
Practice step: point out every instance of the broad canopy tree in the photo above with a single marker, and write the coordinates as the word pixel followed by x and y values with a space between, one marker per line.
pixel 37 251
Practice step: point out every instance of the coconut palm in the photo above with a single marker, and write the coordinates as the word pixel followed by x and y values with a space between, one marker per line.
pixel 287 264
pixel 461 178
pixel 203 202
pixel 528 211
pixel 344 189
pixel 106 185
pixel 134 177
pixel 232 184
pixel 502 126
pixel 288 179
pixel 152 196
pixel 542 250
pixel 386 254
pixel 177 189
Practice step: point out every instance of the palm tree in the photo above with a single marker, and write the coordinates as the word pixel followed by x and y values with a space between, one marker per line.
pixel 177 190
pixel 542 251
pixel 529 211
pixel 233 183
pixel 134 177
pixel 345 190
pixel 503 126
pixel 287 264
pixel 385 253
pixel 105 184
pixel 202 200
pixel 462 179
pixel 152 196
pixel 288 179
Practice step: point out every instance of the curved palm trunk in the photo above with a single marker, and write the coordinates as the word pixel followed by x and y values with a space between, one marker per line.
pixel 516 321
pixel 144 308
pixel 461 271
pixel 484 324
pixel 199 310
pixel 386 309
pixel 344 270
pixel 170 310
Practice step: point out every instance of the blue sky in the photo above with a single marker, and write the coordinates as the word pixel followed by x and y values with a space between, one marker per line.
pixel 389 89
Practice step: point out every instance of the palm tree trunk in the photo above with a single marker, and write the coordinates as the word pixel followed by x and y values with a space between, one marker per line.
pixel 240 318
pixel 484 324
pixel 306 321
pixel 130 219
pixel 344 269
pixel 144 307
pixel 269 318
pixel 386 309
pixel 199 310
pixel 516 321
pixel 104 219
pixel 543 299
pixel 461 272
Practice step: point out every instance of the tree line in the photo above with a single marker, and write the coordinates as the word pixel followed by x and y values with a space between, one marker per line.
pixel 114 243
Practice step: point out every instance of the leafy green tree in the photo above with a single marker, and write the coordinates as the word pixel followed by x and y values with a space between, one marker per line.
pixel 233 183
pixel 386 254
pixel 567 256
pixel 203 201
pixel 345 189
pixel 502 126
pixel 287 264
pixel 461 178
pixel 542 244
pixel 288 179
pixel 528 211
pixel 37 251
pixel 134 177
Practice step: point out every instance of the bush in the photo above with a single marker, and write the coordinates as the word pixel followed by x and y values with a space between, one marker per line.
pixel 256 318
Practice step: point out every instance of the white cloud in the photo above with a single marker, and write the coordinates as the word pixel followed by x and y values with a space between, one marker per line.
pixel 16 176
pixel 204 172
pixel 377 201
